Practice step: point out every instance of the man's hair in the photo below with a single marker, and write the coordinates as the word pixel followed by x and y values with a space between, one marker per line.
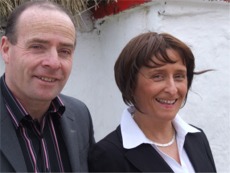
pixel 11 25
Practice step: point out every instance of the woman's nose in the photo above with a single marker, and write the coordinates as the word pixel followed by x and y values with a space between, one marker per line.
pixel 171 86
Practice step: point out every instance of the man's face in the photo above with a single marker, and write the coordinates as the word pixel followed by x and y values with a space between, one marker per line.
pixel 39 64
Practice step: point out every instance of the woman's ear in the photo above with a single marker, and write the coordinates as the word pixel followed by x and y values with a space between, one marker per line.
pixel 4 48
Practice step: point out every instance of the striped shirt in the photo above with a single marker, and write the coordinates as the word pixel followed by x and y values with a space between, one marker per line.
pixel 42 144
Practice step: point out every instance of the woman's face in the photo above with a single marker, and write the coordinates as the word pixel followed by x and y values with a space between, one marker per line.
pixel 160 91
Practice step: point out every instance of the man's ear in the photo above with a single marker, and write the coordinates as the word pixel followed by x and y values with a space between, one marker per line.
pixel 4 48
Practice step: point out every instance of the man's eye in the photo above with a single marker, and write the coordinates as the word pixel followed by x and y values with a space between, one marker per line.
pixel 35 46
pixel 65 53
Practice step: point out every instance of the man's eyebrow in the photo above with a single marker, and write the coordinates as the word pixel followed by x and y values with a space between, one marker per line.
pixel 37 40
pixel 69 45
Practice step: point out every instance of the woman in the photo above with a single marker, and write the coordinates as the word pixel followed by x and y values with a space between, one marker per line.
pixel 154 73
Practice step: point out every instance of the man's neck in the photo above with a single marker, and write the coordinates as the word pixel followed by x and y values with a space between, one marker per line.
pixel 36 109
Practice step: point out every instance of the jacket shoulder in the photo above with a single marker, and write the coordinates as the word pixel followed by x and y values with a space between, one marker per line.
pixel 113 140
pixel 71 101
pixel 198 149
pixel 109 155
pixel 74 107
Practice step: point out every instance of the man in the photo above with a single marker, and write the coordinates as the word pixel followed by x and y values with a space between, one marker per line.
pixel 41 129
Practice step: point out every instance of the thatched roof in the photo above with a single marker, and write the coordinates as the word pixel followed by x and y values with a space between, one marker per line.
pixel 76 7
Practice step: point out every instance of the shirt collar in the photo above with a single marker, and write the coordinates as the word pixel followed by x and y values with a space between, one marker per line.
pixel 17 111
pixel 132 136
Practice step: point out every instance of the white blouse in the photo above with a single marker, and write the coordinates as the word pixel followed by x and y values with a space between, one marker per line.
pixel 132 136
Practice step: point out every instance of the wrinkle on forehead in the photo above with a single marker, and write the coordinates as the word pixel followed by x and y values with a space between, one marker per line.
pixel 45 21
pixel 55 28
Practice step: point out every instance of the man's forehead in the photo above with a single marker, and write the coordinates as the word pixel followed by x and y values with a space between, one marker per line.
pixel 36 11
pixel 34 25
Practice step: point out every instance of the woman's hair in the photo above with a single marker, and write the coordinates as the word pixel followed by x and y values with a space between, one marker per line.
pixel 139 52
pixel 11 26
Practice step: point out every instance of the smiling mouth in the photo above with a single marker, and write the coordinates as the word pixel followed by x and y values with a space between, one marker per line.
pixel 47 79
pixel 164 101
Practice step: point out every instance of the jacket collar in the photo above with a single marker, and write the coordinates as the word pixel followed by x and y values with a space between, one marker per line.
pixel 199 152
pixel 132 135
pixel 70 133
pixel 145 158
pixel 9 144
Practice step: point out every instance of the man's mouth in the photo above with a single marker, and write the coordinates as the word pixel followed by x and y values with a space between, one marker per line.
pixel 47 79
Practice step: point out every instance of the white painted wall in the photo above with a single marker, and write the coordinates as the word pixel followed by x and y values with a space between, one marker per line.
pixel 203 25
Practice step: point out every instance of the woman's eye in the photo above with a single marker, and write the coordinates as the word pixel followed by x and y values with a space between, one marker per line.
pixel 158 77
pixel 180 77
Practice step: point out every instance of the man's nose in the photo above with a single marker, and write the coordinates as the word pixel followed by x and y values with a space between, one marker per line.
pixel 52 60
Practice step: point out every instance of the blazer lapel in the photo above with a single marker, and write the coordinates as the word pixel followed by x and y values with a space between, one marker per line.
pixel 70 132
pixel 197 152
pixel 145 157
pixel 10 146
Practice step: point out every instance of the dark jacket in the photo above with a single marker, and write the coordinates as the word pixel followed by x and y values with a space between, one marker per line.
pixel 77 129
pixel 108 155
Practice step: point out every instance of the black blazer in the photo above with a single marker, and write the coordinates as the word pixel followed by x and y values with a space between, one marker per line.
pixel 108 155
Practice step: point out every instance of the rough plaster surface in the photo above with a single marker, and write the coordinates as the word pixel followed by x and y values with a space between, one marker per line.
pixel 203 25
